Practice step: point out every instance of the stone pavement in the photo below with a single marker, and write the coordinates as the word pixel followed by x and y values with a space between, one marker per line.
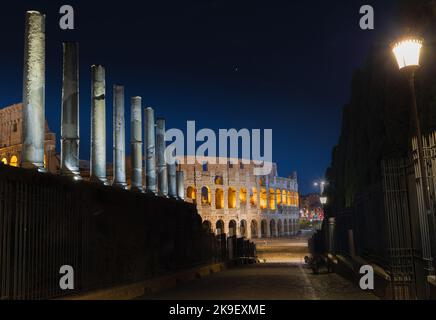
pixel 277 279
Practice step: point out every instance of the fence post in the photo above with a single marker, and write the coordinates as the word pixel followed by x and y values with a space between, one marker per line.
pixel 351 243
pixel 331 235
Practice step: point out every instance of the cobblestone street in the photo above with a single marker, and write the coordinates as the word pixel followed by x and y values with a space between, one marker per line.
pixel 274 280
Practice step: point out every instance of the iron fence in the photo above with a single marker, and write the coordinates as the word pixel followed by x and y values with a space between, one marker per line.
pixel 108 235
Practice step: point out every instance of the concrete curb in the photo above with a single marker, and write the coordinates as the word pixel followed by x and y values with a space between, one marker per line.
pixel 135 290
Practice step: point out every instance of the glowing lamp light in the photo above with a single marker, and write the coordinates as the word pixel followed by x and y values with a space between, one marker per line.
pixel 407 52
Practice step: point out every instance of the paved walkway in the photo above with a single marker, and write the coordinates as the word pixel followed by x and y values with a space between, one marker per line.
pixel 277 279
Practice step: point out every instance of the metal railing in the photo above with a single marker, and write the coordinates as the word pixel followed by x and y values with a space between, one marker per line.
pixel 108 235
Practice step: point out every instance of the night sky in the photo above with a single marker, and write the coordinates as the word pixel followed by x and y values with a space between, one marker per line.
pixel 284 66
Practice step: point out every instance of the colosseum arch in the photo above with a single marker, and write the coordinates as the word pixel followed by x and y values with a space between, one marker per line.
pixel 264 228
pixel 219 180
pixel 5 161
pixel 272 201
pixel 286 227
pixel 14 161
pixel 272 228
pixel 232 228
pixel 231 197
pixel 263 198
pixel 219 227
pixel 279 196
pixel 219 198
pixel 254 229
pixel 243 228
pixel 206 197
pixel 280 228
pixel 191 194
pixel 243 197
pixel 207 226
pixel 284 198
pixel 253 197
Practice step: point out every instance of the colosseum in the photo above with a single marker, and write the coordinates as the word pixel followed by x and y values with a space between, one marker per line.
pixel 229 197
pixel 232 200
pixel 11 136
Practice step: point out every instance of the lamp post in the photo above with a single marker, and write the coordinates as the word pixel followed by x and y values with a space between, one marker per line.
pixel 407 53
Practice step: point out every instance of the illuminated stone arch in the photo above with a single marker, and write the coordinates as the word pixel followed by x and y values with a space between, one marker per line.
pixel 272 228
pixel 243 228
pixel 5 161
pixel 271 200
pixel 284 198
pixel 279 196
pixel 231 198
pixel 219 227
pixel 14 161
pixel 243 197
pixel 191 194
pixel 280 228
pixel 286 227
pixel 253 197
pixel 263 198
pixel 218 180
pixel 207 226
pixel 206 196
pixel 289 198
pixel 293 223
pixel 232 228
pixel 254 229
pixel 219 198
pixel 264 228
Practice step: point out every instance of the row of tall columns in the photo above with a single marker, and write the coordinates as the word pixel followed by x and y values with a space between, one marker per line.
pixel 170 182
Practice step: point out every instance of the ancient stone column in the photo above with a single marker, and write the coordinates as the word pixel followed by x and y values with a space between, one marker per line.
pixel 170 158
pixel 136 144
pixel 172 180
pixel 98 124
pixel 34 92
pixel 119 138
pixel 162 176
pixel 180 177
pixel 150 156
pixel 70 111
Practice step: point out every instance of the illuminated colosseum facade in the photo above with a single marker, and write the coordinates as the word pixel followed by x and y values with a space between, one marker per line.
pixel 11 139
pixel 232 200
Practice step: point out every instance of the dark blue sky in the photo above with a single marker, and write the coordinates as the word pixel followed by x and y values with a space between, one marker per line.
pixel 281 65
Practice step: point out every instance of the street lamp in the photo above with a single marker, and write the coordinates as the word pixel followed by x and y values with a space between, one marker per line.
pixel 407 52
pixel 321 184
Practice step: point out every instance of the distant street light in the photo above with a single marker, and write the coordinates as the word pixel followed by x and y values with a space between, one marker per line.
pixel 321 184
pixel 407 52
